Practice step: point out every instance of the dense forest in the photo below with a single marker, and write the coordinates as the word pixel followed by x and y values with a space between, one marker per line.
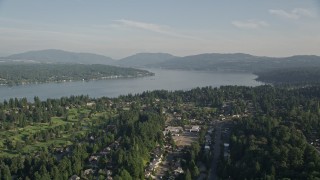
pixel 292 76
pixel 15 74
pixel 265 147
pixel 115 137
pixel 276 142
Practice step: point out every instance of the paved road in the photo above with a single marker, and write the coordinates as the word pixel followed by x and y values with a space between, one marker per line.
pixel 216 151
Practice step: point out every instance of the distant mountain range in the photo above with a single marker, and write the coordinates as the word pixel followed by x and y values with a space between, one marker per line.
pixel 212 61
pixel 59 56
pixel 238 62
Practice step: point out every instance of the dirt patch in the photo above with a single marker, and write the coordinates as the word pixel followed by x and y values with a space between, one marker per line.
pixel 185 138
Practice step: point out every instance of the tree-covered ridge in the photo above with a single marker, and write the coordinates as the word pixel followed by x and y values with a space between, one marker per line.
pixel 15 74
pixel 292 76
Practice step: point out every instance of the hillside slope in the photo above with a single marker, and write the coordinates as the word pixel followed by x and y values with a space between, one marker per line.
pixel 144 59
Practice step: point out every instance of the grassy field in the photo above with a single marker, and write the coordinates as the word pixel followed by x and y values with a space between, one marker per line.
pixel 19 135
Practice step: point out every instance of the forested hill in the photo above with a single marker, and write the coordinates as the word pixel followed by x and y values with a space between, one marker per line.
pixel 59 56
pixel 15 74
pixel 238 62
pixel 292 76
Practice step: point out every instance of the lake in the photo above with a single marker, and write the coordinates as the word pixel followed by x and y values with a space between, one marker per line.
pixel 163 79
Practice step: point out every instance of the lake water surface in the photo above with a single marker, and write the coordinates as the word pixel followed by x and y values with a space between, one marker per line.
pixel 163 79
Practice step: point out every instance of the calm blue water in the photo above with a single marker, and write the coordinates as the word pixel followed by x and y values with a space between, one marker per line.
pixel 163 79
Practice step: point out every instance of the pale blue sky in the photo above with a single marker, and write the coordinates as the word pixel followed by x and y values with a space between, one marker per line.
pixel 180 27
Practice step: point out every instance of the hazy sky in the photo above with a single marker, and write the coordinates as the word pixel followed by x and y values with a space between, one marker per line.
pixel 180 27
